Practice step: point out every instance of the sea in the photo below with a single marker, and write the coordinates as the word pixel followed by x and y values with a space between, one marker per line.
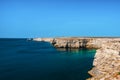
pixel 22 59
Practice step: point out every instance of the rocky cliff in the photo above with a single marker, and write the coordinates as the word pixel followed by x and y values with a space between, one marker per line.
pixel 76 42
pixel 107 62
pixel 107 58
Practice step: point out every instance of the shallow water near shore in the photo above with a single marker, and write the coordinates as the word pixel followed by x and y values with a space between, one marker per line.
pixel 21 59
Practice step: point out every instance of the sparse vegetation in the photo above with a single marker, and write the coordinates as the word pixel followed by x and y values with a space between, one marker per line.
pixel 118 73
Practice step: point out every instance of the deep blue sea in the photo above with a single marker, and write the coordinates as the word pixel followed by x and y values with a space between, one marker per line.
pixel 21 59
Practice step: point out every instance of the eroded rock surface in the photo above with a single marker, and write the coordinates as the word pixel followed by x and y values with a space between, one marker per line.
pixel 107 62
pixel 76 42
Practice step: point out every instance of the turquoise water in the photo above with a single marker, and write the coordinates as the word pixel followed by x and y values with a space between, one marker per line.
pixel 29 60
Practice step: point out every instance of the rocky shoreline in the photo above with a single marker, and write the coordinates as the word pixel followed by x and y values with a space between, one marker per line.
pixel 107 58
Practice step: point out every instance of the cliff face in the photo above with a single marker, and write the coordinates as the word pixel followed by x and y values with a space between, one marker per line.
pixel 75 42
pixel 107 62
pixel 107 58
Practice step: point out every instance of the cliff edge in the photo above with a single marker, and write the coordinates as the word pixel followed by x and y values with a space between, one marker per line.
pixel 107 58
pixel 107 62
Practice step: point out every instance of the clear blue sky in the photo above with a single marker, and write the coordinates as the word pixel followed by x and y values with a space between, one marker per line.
pixel 50 18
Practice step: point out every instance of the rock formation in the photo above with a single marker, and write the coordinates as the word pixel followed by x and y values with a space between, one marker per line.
pixel 107 58
pixel 74 42
pixel 107 62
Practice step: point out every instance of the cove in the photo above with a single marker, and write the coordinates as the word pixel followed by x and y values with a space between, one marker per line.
pixel 30 60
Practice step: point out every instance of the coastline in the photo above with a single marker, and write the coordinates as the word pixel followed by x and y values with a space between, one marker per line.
pixel 107 58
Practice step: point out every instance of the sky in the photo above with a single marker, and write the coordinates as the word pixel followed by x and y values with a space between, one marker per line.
pixel 58 18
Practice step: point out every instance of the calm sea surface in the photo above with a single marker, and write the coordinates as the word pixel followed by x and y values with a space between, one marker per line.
pixel 21 59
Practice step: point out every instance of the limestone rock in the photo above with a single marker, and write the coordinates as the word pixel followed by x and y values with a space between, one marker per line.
pixel 107 62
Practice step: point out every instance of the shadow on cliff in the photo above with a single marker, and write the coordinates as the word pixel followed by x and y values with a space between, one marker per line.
pixel 83 44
